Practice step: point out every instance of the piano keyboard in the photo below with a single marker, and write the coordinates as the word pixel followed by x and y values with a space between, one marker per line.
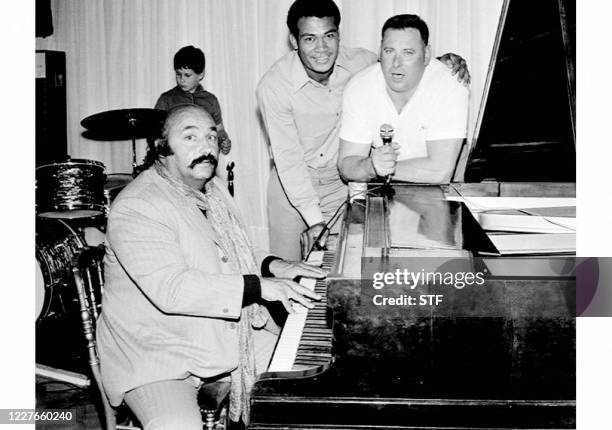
pixel 306 340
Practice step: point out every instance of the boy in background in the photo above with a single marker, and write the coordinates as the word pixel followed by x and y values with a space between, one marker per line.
pixel 189 64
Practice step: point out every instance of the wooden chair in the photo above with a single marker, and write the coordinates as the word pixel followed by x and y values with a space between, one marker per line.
pixel 89 282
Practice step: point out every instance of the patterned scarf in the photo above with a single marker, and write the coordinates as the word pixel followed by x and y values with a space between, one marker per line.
pixel 235 244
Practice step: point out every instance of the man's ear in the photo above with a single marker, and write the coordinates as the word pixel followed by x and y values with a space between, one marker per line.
pixel 293 41
pixel 201 76
pixel 427 54
pixel 162 147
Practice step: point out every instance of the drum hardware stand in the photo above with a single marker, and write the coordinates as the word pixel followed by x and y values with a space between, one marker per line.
pixel 230 177
pixel 132 122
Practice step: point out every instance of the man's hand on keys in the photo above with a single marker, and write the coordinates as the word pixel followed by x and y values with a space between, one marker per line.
pixel 286 291
pixel 293 269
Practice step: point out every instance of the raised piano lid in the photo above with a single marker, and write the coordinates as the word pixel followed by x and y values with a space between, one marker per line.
pixel 525 128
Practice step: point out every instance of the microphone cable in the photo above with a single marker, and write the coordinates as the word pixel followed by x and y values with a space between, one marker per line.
pixel 316 246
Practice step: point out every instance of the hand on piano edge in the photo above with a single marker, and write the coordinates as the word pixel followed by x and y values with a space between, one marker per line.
pixel 315 235
pixel 286 291
pixel 293 269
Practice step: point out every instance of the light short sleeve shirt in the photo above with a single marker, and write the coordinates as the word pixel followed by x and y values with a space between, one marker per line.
pixel 437 110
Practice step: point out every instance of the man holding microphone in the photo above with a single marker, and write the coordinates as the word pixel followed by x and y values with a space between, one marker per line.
pixel 407 95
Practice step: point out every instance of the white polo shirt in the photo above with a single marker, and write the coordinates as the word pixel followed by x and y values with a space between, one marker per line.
pixel 437 110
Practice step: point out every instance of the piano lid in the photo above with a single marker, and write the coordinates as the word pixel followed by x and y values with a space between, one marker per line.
pixel 418 220
pixel 525 128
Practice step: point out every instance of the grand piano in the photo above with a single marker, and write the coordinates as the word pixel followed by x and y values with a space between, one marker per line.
pixel 498 357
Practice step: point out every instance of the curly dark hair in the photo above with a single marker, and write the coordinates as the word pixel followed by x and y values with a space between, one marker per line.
pixel 304 8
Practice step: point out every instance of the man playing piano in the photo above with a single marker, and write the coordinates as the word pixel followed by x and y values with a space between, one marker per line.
pixel 413 94
pixel 184 285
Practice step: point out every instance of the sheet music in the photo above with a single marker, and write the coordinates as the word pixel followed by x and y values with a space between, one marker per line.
pixel 496 203
pixel 526 223
pixel 547 243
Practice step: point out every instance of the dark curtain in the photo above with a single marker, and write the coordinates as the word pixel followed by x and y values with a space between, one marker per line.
pixel 44 22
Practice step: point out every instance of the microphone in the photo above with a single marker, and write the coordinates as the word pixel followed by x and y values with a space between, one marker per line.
pixel 386 134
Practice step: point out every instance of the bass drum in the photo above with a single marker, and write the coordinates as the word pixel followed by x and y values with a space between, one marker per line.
pixel 56 245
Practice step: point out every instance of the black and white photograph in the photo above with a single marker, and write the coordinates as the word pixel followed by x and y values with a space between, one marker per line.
pixel 308 214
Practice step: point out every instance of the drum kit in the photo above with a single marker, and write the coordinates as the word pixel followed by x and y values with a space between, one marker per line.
pixel 72 198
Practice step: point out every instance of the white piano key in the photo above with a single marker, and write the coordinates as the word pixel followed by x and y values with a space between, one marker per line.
pixel 287 346
pixel 288 343
pixel 308 283
pixel 315 258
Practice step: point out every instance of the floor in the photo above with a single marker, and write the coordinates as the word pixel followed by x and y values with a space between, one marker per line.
pixel 52 394
pixel 60 345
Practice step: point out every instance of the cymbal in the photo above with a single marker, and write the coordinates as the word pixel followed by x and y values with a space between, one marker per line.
pixel 121 124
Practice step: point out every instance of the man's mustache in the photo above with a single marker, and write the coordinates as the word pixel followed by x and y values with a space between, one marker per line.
pixel 205 157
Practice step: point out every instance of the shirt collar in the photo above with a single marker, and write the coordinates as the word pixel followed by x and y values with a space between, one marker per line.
pixel 299 77
pixel 199 89
pixel 342 61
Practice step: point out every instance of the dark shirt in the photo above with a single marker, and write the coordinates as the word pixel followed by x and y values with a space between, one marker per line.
pixel 199 97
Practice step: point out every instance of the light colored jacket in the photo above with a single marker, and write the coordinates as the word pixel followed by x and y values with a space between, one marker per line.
pixel 171 298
